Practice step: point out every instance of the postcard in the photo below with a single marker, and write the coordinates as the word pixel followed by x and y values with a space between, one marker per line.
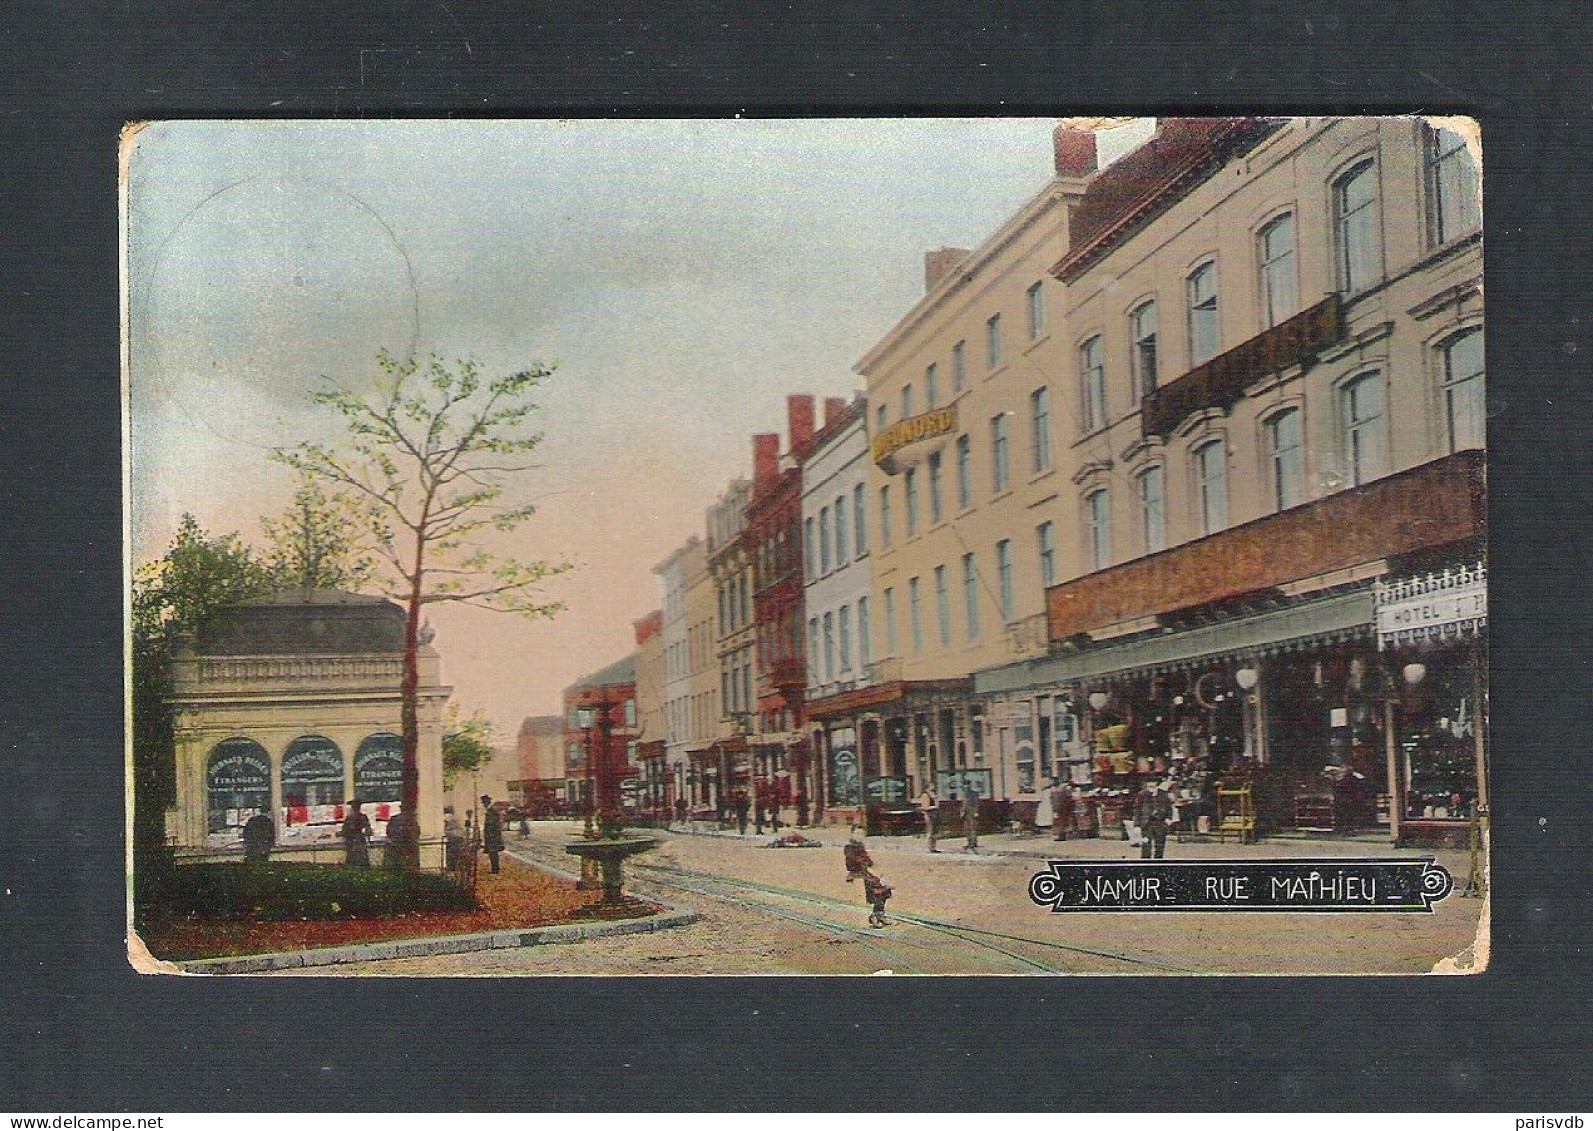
pixel 721 547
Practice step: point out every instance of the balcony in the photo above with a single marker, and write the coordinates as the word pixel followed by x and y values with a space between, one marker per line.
pixel 783 674
pixel 1027 636
pixel 1220 382
pixel 1432 505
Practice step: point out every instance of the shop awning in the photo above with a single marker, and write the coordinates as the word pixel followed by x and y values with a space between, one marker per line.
pixel 1346 616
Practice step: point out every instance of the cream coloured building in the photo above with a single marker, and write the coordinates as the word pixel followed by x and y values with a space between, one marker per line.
pixel 289 705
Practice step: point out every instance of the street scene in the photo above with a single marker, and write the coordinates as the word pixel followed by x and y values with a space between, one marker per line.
pixel 764 547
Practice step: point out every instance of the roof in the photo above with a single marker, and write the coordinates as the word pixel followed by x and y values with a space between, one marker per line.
pixel 1144 182
pixel 305 622
pixel 615 675
pixel 542 724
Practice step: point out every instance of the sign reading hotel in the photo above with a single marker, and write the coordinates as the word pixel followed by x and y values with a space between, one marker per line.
pixel 1432 607
pixel 924 426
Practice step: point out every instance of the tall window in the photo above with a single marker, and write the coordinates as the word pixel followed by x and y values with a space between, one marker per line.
pixel 1151 490
pixel 1280 290
pixel 1287 455
pixel 964 474
pixel 915 613
pixel 1092 391
pixel 959 366
pixel 1364 441
pixel 1036 311
pixel 1000 473
pixel 943 606
pixel 1142 352
pixel 912 501
pixel 840 531
pixel 1355 232
pixel 824 540
pixel 1045 534
pixel 810 548
pixel 859 522
pixel 993 341
pixel 1098 530
pixel 936 501
pixel 1451 186
pixel 931 386
pixel 1004 572
pixel 1211 476
pixel 885 516
pixel 1464 399
pixel 829 647
pixel 865 642
pixel 845 628
pixel 907 401
pixel 1203 336
pixel 1040 422
pixel 814 658
pixel 970 594
pixel 881 419
pixel 890 622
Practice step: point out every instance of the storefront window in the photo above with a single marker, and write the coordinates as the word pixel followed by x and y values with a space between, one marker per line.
pixel 845 781
pixel 379 769
pixel 312 780
pixel 1438 741
pixel 237 783
pixel 1023 744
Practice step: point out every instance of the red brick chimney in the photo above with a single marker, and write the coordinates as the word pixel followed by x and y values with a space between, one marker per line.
pixel 799 420
pixel 833 407
pixel 1075 151
pixel 939 263
pixel 765 460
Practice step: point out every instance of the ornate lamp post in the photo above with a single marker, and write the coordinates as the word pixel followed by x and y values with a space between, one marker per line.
pixel 606 846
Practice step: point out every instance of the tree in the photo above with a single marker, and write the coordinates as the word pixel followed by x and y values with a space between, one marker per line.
pixel 466 744
pixel 425 462
pixel 315 542
pixel 173 597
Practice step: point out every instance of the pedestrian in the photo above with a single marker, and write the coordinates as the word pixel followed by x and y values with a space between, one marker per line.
pixel 400 832
pixel 876 891
pixel 680 811
pixel 802 809
pixel 1061 812
pixel 929 806
pixel 491 831
pixel 970 819
pixel 743 809
pixel 1152 812
pixel 454 840
pixel 858 861
pixel 356 834
pixel 259 834
pixel 760 797
pixel 525 824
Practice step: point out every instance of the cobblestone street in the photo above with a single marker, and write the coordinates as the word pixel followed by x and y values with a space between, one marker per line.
pixel 791 911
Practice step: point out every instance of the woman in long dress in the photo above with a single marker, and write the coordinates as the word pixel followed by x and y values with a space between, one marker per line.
pixel 356 834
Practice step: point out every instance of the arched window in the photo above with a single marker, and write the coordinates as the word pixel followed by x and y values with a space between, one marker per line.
pixel 1280 291
pixel 379 771
pixel 237 784
pixel 1151 487
pixel 1355 228
pixel 1451 186
pixel 312 780
pixel 1465 406
pixel 1092 395
pixel 1286 457
pixel 1211 477
pixel 1142 351
pixel 1203 330
pixel 1365 440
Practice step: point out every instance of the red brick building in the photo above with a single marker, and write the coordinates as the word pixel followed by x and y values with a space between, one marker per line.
pixel 612 690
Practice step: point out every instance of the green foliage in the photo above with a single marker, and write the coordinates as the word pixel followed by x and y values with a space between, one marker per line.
pixel 273 892
pixel 316 542
pixel 466 744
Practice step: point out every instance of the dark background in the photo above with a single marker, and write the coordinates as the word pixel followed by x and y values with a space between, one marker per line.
pixel 82 1032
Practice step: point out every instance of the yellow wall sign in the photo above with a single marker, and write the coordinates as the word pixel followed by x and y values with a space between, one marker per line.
pixel 925 425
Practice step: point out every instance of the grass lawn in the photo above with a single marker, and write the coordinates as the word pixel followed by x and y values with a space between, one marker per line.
pixel 221 910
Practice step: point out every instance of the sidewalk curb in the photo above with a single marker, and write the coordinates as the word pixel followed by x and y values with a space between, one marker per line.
pixel 441 944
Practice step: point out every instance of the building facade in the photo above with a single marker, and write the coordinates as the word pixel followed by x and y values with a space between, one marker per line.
pixel 611 690
pixel 652 714
pixel 290 705
pixel 1274 359
pixel 540 747
pixel 712 774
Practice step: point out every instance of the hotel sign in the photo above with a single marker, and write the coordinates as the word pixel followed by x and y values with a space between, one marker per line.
pixel 924 426
pixel 1221 381
pixel 1432 607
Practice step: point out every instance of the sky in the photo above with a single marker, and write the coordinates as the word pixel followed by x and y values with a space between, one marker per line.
pixel 682 276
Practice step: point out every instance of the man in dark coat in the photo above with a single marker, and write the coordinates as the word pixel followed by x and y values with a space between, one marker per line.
pixel 1152 812
pixel 259 835
pixel 743 809
pixel 491 831
pixel 970 819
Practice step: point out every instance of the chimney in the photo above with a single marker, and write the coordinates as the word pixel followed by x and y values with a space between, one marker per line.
pixel 799 420
pixel 939 263
pixel 1075 151
pixel 765 460
pixel 833 407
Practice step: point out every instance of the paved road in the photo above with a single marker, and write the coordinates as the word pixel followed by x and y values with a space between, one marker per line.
pixel 790 911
